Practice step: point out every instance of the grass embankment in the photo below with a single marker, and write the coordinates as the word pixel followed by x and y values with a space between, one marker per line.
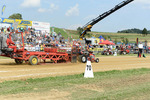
pixel 62 31
pixel 119 36
pixel 118 85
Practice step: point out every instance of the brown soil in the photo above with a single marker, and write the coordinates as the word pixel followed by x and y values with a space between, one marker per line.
pixel 10 71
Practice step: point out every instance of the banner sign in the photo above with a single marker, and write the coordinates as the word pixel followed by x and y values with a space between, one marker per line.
pixel 44 27
pixel 24 22
pixel 39 26
pixel 20 22
pixel 6 20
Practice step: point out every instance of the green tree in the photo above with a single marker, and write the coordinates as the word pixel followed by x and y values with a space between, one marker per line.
pixel 110 39
pixel 134 30
pixel 79 30
pixel 116 41
pixel 89 35
pixel 123 41
pixel 144 32
pixel 16 16
pixel 127 41
pixel 105 37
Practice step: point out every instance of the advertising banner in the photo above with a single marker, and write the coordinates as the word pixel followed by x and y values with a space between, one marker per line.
pixel 20 22
pixel 24 22
pixel 41 26
pixel 5 25
pixel 6 20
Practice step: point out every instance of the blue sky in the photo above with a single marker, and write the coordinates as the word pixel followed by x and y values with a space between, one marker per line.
pixel 70 14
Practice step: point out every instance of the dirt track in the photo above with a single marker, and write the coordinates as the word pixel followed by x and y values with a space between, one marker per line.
pixel 10 71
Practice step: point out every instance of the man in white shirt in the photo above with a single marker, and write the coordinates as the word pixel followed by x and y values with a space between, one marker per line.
pixel 140 46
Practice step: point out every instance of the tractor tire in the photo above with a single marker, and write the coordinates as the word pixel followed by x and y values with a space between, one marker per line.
pixel 97 60
pixel 83 59
pixel 18 61
pixel 33 60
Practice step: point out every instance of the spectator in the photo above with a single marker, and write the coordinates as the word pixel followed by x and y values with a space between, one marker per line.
pixel 140 46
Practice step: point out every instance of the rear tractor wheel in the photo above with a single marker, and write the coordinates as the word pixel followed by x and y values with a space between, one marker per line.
pixel 83 59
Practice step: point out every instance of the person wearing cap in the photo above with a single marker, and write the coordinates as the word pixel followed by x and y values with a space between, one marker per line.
pixel 140 46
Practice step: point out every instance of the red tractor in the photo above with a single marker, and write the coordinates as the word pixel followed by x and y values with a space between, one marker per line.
pixel 107 52
pixel 123 50
pixel 87 55
pixel 83 53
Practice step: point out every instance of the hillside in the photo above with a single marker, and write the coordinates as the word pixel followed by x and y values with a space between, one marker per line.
pixel 113 36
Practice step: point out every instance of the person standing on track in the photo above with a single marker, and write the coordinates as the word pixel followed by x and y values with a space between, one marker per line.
pixel 140 46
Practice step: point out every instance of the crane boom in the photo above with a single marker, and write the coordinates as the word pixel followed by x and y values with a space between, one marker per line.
pixel 90 24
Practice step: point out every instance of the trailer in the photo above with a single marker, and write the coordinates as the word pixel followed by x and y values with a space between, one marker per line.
pixel 20 54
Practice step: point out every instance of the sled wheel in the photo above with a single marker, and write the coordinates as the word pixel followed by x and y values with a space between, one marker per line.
pixel 33 60
pixel 18 61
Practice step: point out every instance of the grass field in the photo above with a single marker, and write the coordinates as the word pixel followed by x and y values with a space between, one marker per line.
pixel 62 31
pixel 111 85
pixel 119 36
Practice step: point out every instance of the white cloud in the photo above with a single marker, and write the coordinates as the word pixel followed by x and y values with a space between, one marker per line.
pixel 41 10
pixel 74 27
pixel 31 3
pixel 52 8
pixel 73 11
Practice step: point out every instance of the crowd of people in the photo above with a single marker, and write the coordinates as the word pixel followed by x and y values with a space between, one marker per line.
pixel 35 40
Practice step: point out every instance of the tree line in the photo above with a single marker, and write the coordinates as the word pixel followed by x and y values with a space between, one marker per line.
pixel 135 30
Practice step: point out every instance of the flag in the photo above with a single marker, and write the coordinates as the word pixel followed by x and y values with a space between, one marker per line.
pixel 3 8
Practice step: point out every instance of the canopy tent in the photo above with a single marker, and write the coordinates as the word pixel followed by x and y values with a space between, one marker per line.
pixel 107 42
pixel 101 39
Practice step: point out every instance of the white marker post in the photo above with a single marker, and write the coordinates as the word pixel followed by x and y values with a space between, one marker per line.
pixel 88 70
